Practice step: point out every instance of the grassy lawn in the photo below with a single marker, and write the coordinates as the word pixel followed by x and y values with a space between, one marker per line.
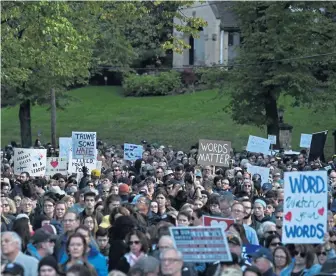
pixel 176 120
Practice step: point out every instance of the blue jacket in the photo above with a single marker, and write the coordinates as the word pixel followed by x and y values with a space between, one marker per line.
pixel 96 259
pixel 32 251
pixel 315 269
pixel 251 235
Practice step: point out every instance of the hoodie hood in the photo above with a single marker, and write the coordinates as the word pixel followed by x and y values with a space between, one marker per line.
pixel 32 251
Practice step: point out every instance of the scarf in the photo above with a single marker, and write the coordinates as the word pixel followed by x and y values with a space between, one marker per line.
pixel 132 259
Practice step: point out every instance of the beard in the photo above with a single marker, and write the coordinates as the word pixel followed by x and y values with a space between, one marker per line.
pixel 247 216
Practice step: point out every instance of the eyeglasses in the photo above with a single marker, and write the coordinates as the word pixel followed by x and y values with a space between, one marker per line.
pixel 321 253
pixel 106 191
pixel 116 170
pixel 276 244
pixel 334 242
pixel 49 205
pixel 237 211
pixel 170 260
pixel 247 186
pixel 271 232
pixel 278 217
pixel 68 220
pixel 301 254
pixel 159 172
pixel 280 257
pixel 5 205
pixel 133 242
pixel 278 226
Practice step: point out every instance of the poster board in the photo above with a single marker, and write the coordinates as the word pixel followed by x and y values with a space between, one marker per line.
pixel 258 145
pixel 263 171
pixel 56 165
pixel 205 244
pixel 305 140
pixel 214 152
pixel 272 138
pixel 305 207
pixel 65 146
pixel 84 145
pixel 217 221
pixel 132 152
pixel 76 165
pixel 32 161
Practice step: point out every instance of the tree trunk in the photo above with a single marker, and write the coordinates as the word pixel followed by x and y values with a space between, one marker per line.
pixel 25 124
pixel 53 117
pixel 272 118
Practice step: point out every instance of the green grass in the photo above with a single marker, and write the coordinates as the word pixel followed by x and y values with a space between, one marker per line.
pixel 177 120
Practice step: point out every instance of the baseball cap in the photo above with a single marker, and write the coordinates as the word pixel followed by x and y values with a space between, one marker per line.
pixel 14 269
pixel 266 187
pixel 234 239
pixel 42 235
pixel 262 252
pixel 123 188
pixel 95 173
pixel 5 180
pixel 168 172
pixel 57 190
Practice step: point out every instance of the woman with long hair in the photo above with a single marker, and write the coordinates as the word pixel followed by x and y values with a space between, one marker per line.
pixel 273 241
pixel 76 248
pixel 24 229
pixel 281 259
pixel 90 222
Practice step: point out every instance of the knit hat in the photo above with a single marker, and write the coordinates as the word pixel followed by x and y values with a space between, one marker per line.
pixel 48 261
pixel 123 188
pixel 260 201
pixel 13 269
pixel 21 216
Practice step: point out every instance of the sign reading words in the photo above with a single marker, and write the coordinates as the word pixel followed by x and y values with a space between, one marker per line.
pixel 217 221
pixel 84 145
pixel 32 161
pixel 305 140
pixel 56 165
pixel 212 152
pixel 305 207
pixel 201 244
pixel 132 152
pixel 65 146
pixel 258 144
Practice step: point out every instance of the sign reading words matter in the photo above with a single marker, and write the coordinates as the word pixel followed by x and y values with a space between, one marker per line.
pixel 84 145
pixel 212 152
pixel 32 161
pixel 305 207
pixel 201 244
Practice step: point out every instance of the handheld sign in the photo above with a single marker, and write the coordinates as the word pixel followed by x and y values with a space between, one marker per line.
pixel 217 221
pixel 56 165
pixel 84 145
pixel 132 152
pixel 212 152
pixel 305 207
pixel 76 165
pixel 205 244
pixel 32 161
pixel 305 140
pixel 258 145
pixel 65 146
pixel 272 138
pixel 262 171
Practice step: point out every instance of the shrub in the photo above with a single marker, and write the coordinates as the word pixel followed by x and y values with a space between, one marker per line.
pixel 211 77
pixel 160 84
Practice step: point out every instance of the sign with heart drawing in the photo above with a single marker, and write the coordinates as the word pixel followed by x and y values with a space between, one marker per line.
pixel 305 207
pixel 56 165
pixel 217 221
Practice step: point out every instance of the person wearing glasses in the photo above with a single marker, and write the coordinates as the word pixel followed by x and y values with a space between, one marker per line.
pixel 137 244
pixel 266 229
pixel 282 259
pixel 272 242
pixel 304 263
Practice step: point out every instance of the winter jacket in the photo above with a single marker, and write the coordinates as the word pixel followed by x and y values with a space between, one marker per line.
pixel 32 251
pixel 314 270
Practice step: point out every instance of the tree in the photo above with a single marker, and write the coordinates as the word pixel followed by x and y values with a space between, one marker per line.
pixel 54 45
pixel 275 35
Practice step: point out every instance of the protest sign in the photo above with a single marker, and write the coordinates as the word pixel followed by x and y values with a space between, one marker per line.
pixel 76 165
pixel 217 221
pixel 132 152
pixel 272 138
pixel 32 161
pixel 201 244
pixel 84 145
pixel 262 171
pixel 212 152
pixel 258 144
pixel 305 207
pixel 56 165
pixel 317 144
pixel 65 146
pixel 248 249
pixel 305 140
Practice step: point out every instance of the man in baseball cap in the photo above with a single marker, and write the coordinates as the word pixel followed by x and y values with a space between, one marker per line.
pixel 13 269
pixel 263 259
pixel 42 244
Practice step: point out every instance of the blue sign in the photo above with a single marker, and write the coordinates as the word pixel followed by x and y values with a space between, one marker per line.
pixel 258 144
pixel 132 152
pixel 248 249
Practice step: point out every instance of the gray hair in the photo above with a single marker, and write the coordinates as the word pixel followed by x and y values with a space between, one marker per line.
pixel 179 254
pixel 16 238
pixel 264 226
pixel 227 197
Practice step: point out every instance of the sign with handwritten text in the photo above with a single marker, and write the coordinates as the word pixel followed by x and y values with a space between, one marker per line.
pixel 56 165
pixel 272 138
pixel 214 152
pixel 65 146
pixel 305 207
pixel 32 161
pixel 84 145
pixel 217 221
pixel 132 152
pixel 262 171
pixel 258 144
pixel 305 140
pixel 201 244
pixel 76 165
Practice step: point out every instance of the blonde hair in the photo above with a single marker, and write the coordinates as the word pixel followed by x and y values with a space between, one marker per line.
pixel 12 206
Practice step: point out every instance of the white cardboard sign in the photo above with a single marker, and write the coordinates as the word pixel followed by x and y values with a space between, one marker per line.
pixel 32 161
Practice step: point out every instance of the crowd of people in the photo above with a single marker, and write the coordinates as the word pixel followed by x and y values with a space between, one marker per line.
pixel 116 221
